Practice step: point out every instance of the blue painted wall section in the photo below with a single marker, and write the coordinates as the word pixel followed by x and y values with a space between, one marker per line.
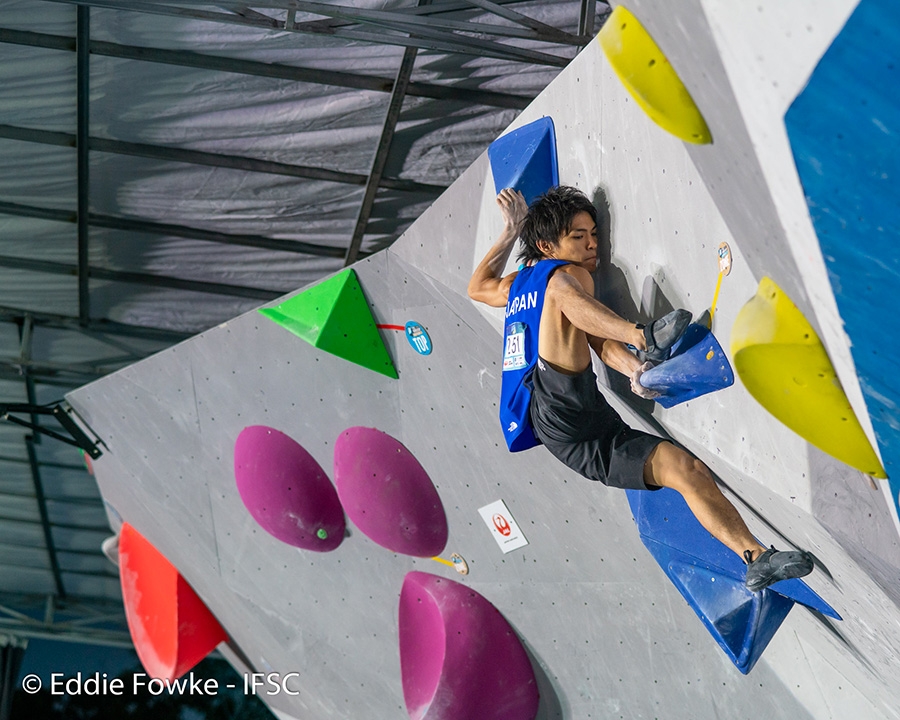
pixel 844 130
pixel 711 578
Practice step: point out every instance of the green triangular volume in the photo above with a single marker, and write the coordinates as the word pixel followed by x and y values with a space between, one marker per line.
pixel 335 317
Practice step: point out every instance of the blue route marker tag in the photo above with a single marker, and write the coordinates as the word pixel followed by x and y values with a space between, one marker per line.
pixel 418 338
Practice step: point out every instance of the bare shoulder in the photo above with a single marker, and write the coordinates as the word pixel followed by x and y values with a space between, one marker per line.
pixel 491 291
pixel 505 284
pixel 579 274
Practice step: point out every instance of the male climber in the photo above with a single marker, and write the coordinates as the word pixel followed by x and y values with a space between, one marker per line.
pixel 549 391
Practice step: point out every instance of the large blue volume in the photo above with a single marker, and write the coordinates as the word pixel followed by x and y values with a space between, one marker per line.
pixel 698 366
pixel 711 578
pixel 525 159
pixel 844 130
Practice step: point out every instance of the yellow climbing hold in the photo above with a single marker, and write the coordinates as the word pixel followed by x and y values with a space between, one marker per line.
pixel 652 81
pixel 783 364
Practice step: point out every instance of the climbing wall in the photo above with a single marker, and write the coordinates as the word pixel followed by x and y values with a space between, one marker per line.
pixel 195 436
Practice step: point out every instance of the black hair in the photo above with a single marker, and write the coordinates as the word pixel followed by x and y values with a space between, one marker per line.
pixel 550 218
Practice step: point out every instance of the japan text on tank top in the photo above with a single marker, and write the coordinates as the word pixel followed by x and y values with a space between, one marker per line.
pixel 520 352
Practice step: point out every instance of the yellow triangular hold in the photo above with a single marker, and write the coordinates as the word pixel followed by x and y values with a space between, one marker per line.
pixel 652 81
pixel 784 365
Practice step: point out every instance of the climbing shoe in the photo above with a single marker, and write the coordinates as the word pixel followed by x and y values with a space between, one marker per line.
pixel 661 334
pixel 774 565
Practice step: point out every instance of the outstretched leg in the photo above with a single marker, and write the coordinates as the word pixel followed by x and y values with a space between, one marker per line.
pixel 671 467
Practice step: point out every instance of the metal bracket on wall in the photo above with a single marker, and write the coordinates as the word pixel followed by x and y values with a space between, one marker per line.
pixel 60 411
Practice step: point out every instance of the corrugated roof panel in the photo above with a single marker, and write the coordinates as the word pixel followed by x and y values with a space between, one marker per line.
pixel 16 475
pixel 64 513
pixel 79 562
pixel 69 484
pixel 37 16
pixel 11 391
pixel 59 345
pixel 34 174
pixel 38 291
pixel 12 444
pixel 89 540
pixel 28 580
pixel 38 88
pixel 172 309
pixel 19 508
pixel 91 586
pixel 13 532
pixel 38 239
pixel 20 554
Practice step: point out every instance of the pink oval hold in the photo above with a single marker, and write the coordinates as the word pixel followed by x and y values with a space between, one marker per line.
pixel 459 657
pixel 286 491
pixel 387 493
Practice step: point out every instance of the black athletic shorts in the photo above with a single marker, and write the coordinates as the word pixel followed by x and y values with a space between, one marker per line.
pixel 572 418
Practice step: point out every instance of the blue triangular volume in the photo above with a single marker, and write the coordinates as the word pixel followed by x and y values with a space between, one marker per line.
pixel 800 592
pixel 525 159
pixel 740 621
pixel 698 366
pixel 711 578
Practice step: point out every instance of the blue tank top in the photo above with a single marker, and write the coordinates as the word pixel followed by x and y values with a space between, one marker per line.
pixel 520 352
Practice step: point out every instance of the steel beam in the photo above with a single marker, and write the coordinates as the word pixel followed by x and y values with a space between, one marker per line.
pixel 88 371
pixel 7 208
pixel 56 465
pixel 11 654
pixel 90 621
pixel 22 363
pixel 248 164
pixel 109 575
pixel 82 133
pixel 45 519
pixel 403 21
pixel 62 526
pixel 413 33
pixel 58 268
pixel 102 609
pixel 424 38
pixel 197 157
pixel 586 18
pixel 51 381
pixel 155 228
pixel 544 32
pixel 245 240
pixel 95 636
pixel 98 326
pixel 185 58
pixel 450 6
pixel 95 503
pixel 78 630
pixel 381 154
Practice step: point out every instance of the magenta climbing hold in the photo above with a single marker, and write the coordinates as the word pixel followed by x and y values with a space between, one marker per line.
pixel 388 494
pixel 459 657
pixel 286 491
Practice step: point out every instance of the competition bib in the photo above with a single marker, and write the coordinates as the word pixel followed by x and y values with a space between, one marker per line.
pixel 514 349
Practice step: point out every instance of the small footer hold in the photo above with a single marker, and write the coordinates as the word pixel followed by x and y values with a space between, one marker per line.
pixel 456 561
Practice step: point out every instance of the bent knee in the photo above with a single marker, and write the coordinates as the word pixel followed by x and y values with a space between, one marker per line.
pixel 675 468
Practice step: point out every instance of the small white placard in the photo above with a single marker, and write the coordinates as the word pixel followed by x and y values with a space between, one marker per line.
pixel 503 527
